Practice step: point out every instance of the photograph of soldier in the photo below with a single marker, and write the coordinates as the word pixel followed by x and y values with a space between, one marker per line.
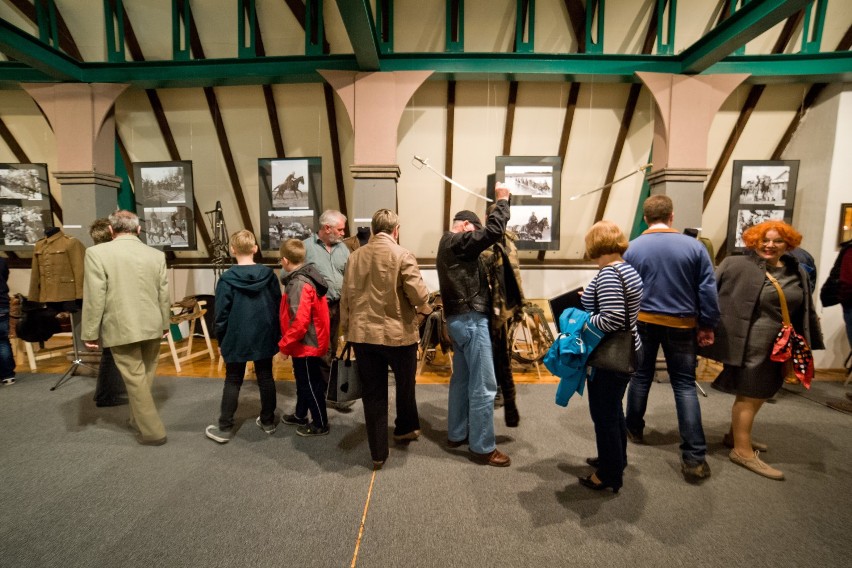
pixel 532 180
pixel 531 222
pixel 289 183
pixel 750 217
pixel 163 184
pixel 20 183
pixel 285 225
pixel 166 226
pixel 21 225
pixel 764 185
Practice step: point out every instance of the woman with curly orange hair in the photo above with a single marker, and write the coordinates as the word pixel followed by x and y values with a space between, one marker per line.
pixel 751 318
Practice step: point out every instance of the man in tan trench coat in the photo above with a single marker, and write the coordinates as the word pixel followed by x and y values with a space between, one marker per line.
pixel 126 303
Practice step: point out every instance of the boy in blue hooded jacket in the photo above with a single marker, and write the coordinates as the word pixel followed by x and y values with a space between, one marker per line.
pixel 247 300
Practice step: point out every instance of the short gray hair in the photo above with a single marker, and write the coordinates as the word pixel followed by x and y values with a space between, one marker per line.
pixel 331 217
pixel 124 221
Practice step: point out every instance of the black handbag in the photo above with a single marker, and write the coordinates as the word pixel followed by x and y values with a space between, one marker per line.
pixel 344 385
pixel 38 322
pixel 617 350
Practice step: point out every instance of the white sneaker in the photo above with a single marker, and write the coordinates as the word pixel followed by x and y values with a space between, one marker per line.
pixel 8 381
pixel 221 436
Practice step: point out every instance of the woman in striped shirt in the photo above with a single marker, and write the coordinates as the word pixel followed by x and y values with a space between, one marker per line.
pixel 616 286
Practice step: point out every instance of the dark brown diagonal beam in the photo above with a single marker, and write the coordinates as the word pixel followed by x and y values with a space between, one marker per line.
pixel 626 119
pixel 66 41
pixel 135 49
pixel 809 100
pixel 297 7
pixel 269 96
pixel 510 117
pixel 219 126
pixel 334 136
pixel 448 150
pixel 745 113
pixel 577 15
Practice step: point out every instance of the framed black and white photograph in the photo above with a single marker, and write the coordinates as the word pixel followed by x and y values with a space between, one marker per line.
pixel 531 222
pixel 285 225
pixel 761 190
pixel 535 180
pixel 166 227
pixel 289 185
pixel 24 205
pixel 535 186
pixel 290 199
pixel 764 185
pixel 164 202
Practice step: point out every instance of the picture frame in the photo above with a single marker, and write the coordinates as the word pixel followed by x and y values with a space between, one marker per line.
pixel 844 231
pixel 535 186
pixel 290 199
pixel 761 190
pixel 165 204
pixel 25 210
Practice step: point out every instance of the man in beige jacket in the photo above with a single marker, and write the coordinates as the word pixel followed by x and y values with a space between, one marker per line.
pixel 126 304
pixel 382 288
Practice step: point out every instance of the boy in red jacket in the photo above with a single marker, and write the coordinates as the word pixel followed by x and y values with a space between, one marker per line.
pixel 304 336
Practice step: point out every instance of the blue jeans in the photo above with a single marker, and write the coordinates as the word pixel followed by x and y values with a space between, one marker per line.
pixel 847 317
pixel 470 411
pixel 679 347
pixel 7 359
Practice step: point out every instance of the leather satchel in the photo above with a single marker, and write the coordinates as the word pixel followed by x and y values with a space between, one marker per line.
pixel 617 350
pixel 344 385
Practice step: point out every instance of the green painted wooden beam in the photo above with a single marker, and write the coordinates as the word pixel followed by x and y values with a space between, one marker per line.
pixel 783 68
pixel 358 19
pixel 28 50
pixel 747 23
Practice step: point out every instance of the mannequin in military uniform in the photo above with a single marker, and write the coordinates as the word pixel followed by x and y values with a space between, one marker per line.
pixel 57 270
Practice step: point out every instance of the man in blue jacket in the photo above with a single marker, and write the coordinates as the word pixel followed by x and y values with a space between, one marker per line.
pixel 679 311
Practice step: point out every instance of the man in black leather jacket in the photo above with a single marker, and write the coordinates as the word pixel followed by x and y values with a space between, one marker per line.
pixel 467 305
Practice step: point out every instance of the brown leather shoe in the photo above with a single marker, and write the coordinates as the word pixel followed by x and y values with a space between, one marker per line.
pixel 454 444
pixel 409 437
pixel 495 458
pixel 144 442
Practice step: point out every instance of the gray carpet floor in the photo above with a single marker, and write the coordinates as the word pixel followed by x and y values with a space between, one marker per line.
pixel 77 491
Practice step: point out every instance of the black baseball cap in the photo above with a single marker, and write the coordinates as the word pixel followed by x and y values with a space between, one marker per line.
pixel 465 215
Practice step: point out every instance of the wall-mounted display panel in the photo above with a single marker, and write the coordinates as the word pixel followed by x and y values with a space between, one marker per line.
pixel 24 205
pixel 290 199
pixel 164 203
pixel 535 186
pixel 762 190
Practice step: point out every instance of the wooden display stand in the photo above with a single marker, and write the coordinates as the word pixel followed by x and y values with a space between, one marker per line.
pixel 185 353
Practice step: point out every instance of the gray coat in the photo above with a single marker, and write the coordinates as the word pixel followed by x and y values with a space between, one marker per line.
pixel 739 280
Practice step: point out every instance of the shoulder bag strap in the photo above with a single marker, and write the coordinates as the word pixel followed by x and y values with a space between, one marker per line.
pixel 785 315
pixel 624 295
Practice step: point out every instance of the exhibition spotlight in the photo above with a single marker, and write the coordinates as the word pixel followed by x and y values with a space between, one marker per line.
pixel 603 187
pixel 419 162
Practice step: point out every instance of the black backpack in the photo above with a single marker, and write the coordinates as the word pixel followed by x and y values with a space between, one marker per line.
pixel 829 294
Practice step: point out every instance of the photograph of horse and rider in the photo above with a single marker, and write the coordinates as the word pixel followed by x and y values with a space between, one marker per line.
pixel 290 184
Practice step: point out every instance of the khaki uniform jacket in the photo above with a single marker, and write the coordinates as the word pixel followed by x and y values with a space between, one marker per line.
pixel 382 288
pixel 57 269
pixel 126 298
